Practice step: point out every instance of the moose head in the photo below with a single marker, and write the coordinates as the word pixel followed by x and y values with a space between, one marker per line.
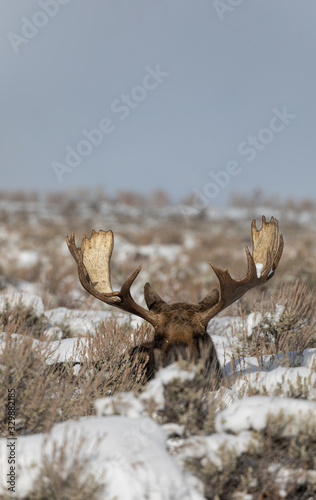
pixel 180 328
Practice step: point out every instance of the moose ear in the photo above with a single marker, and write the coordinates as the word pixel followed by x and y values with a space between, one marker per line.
pixel 152 298
pixel 210 300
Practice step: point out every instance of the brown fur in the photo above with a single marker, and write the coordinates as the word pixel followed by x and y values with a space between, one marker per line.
pixel 179 335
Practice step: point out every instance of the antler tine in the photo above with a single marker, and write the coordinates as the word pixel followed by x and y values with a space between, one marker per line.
pixel 93 260
pixel 72 246
pixel 129 303
pixel 266 255
pixel 278 254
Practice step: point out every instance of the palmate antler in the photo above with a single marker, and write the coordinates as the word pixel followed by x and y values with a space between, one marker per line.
pixel 93 260
pixel 266 255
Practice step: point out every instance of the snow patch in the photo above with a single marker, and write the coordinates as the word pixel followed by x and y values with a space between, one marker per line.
pixel 27 258
pixel 224 325
pixel 252 413
pixel 125 404
pixel 286 379
pixel 83 322
pixel 259 267
pixel 66 350
pixel 28 300
pixel 155 388
pixel 252 321
pixel 210 447
pixel 128 455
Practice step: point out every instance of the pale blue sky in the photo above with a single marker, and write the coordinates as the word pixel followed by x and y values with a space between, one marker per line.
pixel 227 75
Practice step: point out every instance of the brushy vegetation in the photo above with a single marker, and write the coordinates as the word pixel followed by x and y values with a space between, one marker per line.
pixel 273 462
pixel 188 403
pixel 38 224
pixel 48 394
pixel 22 320
pixel 62 475
pixel 54 393
pixel 297 389
pixel 286 322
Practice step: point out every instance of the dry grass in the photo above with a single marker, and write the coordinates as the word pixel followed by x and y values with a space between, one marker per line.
pixel 47 394
pixel 107 352
pixel 60 480
pixel 272 463
pixel 43 397
pixel 297 389
pixel 44 225
pixel 190 403
pixel 287 323
pixel 62 474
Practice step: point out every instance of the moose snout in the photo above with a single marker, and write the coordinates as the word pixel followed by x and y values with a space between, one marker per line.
pixel 176 350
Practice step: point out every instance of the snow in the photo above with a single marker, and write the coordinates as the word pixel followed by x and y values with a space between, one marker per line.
pixel 296 380
pixel 134 456
pixel 83 322
pixel 27 258
pixel 129 455
pixel 125 404
pixel 220 326
pixel 252 364
pixel 209 447
pixel 27 287
pixel 28 300
pixel 285 476
pixel 251 413
pixel 259 267
pixel 171 429
pixel 253 320
pixel 66 349
pixel 155 388
pixel 18 338
pixel 57 351
pixel 53 332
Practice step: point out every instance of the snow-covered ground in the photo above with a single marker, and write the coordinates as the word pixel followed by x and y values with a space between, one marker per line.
pixel 128 455
pixel 129 452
